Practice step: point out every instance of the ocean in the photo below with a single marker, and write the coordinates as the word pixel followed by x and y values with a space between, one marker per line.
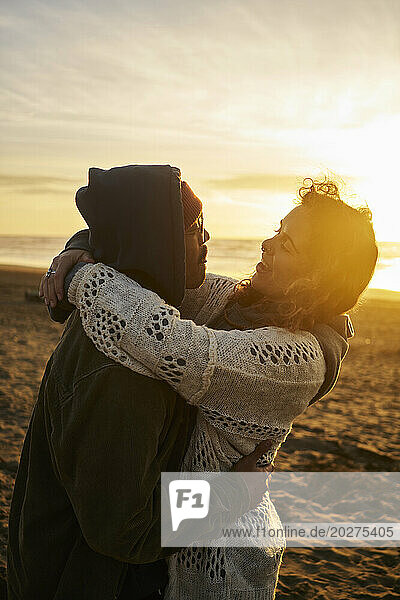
pixel 235 257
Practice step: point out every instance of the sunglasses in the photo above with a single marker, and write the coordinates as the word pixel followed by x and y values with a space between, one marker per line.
pixel 198 227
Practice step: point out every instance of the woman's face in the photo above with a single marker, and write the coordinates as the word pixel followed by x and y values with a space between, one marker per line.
pixel 283 256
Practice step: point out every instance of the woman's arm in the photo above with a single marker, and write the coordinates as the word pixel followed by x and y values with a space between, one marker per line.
pixel 263 375
pixel 199 304
pixel 204 303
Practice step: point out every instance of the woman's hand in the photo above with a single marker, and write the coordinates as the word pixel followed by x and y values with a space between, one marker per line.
pixel 257 486
pixel 248 464
pixel 52 288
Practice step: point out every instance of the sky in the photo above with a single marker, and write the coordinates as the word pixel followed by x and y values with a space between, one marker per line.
pixel 246 97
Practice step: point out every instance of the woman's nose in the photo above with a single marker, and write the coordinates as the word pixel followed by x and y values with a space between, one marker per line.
pixel 206 236
pixel 266 246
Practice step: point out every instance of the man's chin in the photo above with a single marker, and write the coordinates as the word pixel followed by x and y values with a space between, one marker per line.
pixel 199 279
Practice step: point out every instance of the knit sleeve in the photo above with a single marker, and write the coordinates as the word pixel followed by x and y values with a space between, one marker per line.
pixel 201 304
pixel 264 375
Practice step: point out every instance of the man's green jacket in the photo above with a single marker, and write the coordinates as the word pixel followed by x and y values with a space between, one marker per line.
pixel 87 495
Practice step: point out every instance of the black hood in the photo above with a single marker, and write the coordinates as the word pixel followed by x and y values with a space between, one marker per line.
pixel 135 218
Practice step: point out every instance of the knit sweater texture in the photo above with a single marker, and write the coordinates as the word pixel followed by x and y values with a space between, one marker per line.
pixel 248 385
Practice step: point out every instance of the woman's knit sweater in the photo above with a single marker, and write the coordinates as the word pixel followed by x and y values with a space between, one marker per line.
pixel 249 386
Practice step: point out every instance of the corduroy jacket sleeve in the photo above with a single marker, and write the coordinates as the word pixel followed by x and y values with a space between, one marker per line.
pixel 109 442
pixel 79 241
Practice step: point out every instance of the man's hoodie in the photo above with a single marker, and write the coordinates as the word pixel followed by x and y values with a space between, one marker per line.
pixel 135 219
pixel 86 504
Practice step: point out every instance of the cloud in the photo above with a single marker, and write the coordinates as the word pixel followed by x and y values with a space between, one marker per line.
pixel 23 180
pixel 37 185
pixel 257 65
pixel 255 181
pixel 231 89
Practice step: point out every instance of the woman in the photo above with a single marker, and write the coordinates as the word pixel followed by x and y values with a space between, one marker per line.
pixel 249 361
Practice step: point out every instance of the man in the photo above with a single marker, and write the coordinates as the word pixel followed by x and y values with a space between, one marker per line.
pixel 85 515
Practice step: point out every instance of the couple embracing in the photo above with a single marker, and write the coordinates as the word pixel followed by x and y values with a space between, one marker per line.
pixel 164 368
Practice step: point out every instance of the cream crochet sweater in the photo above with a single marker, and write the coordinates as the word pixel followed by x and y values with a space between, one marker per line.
pixel 249 386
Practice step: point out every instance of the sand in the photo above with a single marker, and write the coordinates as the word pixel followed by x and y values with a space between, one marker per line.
pixel 355 428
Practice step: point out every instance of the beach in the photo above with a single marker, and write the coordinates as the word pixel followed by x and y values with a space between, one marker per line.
pixel 355 428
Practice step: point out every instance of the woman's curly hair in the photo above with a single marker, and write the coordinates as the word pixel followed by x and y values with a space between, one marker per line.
pixel 341 255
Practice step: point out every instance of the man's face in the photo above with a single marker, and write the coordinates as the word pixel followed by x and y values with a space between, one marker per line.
pixel 196 252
